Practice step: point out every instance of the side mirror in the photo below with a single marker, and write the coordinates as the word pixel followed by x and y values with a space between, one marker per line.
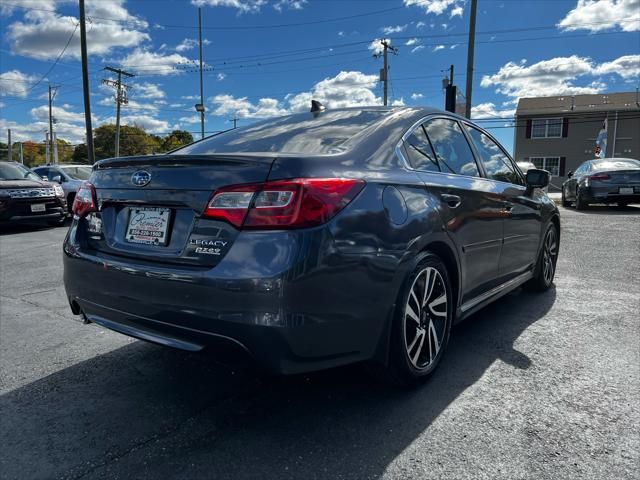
pixel 570 174
pixel 536 178
pixel 57 179
pixel 44 178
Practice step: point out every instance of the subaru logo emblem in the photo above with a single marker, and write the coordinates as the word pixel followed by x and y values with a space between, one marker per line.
pixel 140 178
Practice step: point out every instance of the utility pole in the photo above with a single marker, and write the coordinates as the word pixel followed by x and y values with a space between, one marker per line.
pixel 471 46
pixel 21 154
pixel 201 84
pixel 9 145
pixel 384 72
pixel 52 94
pixel 85 84
pixel 121 98
pixel 235 122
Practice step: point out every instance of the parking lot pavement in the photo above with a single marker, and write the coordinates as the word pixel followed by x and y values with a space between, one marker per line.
pixel 533 387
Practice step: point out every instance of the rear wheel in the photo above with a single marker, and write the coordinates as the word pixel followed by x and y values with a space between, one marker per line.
pixel 581 204
pixel 565 202
pixel 422 323
pixel 58 222
pixel 546 265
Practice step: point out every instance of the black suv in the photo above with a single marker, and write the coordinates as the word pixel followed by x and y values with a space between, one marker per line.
pixel 25 197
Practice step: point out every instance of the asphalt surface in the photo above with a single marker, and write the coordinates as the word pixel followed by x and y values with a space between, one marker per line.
pixel 536 386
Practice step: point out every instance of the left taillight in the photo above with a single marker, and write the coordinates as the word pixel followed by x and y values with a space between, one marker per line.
pixel 296 203
pixel 85 200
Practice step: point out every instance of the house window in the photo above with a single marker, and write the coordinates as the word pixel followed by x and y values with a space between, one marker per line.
pixel 551 164
pixel 546 128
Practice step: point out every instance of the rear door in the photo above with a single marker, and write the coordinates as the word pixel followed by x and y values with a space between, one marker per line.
pixel 471 211
pixel 522 208
pixel 150 208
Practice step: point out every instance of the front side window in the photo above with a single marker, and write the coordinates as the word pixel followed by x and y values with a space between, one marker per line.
pixel 78 173
pixel 421 156
pixel 551 164
pixel 496 163
pixel 452 150
pixel 15 171
pixel 546 128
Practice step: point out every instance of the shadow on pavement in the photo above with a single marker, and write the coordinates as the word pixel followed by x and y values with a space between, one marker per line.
pixel 142 411
pixel 609 210
pixel 17 228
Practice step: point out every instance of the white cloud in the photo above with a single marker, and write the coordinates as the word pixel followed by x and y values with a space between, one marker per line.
pixel 147 90
pixel 190 97
pixel 189 44
pixel 438 47
pixel 221 76
pixel 243 6
pixel 394 29
pixel 545 78
pixel 376 47
pixel 60 114
pixel 145 61
pixel 43 34
pixel 15 83
pixel 148 123
pixel 627 66
pixel 69 125
pixel 419 25
pixel 417 49
pixel 437 7
pixel 603 15
pixel 416 96
pixel 489 110
pixel 456 12
pixel 190 120
pixel 290 4
pixel 412 41
pixel 346 89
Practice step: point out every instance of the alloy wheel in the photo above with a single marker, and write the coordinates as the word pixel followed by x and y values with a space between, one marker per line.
pixel 425 318
pixel 549 255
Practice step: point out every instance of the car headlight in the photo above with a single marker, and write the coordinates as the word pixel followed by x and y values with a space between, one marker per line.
pixel 59 191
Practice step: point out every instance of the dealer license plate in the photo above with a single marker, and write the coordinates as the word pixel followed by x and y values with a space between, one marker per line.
pixel 148 225
pixel 38 207
pixel 626 190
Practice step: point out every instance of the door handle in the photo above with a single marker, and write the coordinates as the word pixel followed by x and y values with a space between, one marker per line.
pixel 453 201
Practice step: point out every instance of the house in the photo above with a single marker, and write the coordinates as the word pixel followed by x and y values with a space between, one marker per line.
pixel 559 133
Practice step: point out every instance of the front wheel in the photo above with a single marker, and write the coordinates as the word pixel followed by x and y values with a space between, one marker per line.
pixel 546 265
pixel 565 202
pixel 422 324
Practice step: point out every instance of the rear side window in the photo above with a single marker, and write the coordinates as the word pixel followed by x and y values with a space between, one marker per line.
pixel 451 147
pixel 495 162
pixel 421 156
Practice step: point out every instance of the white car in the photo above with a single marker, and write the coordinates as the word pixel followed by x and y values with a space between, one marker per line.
pixel 67 175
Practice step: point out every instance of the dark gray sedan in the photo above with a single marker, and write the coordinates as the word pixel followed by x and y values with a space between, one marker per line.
pixel 313 240
pixel 608 180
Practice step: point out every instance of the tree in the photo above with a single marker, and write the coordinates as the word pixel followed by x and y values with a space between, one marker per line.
pixel 65 151
pixel 4 151
pixel 80 154
pixel 33 153
pixel 133 141
pixel 176 139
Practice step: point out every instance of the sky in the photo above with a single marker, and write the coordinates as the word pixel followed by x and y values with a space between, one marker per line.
pixel 266 58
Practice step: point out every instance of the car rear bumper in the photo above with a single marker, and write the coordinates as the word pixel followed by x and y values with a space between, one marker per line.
pixel 300 312
pixel 610 194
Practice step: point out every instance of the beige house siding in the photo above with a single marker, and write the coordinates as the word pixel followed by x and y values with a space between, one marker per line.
pixel 583 116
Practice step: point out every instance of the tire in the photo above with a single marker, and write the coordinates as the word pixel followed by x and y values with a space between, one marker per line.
pixel 421 325
pixel 57 223
pixel 564 202
pixel 545 270
pixel 623 204
pixel 70 198
pixel 580 203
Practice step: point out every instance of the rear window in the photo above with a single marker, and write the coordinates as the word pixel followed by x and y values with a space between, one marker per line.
pixel 616 164
pixel 308 133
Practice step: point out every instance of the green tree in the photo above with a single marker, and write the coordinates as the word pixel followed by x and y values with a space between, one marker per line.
pixel 133 141
pixel 176 139
pixel 4 151
pixel 80 154
pixel 65 151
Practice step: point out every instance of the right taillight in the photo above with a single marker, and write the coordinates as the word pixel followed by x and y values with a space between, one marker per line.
pixel 85 200
pixel 599 176
pixel 296 203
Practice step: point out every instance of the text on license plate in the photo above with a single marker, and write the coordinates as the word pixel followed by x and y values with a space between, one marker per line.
pixel 148 225
pixel 38 207
pixel 626 190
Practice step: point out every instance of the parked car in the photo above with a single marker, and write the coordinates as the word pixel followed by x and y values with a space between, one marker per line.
pixel 67 175
pixel 606 180
pixel 25 197
pixel 312 240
